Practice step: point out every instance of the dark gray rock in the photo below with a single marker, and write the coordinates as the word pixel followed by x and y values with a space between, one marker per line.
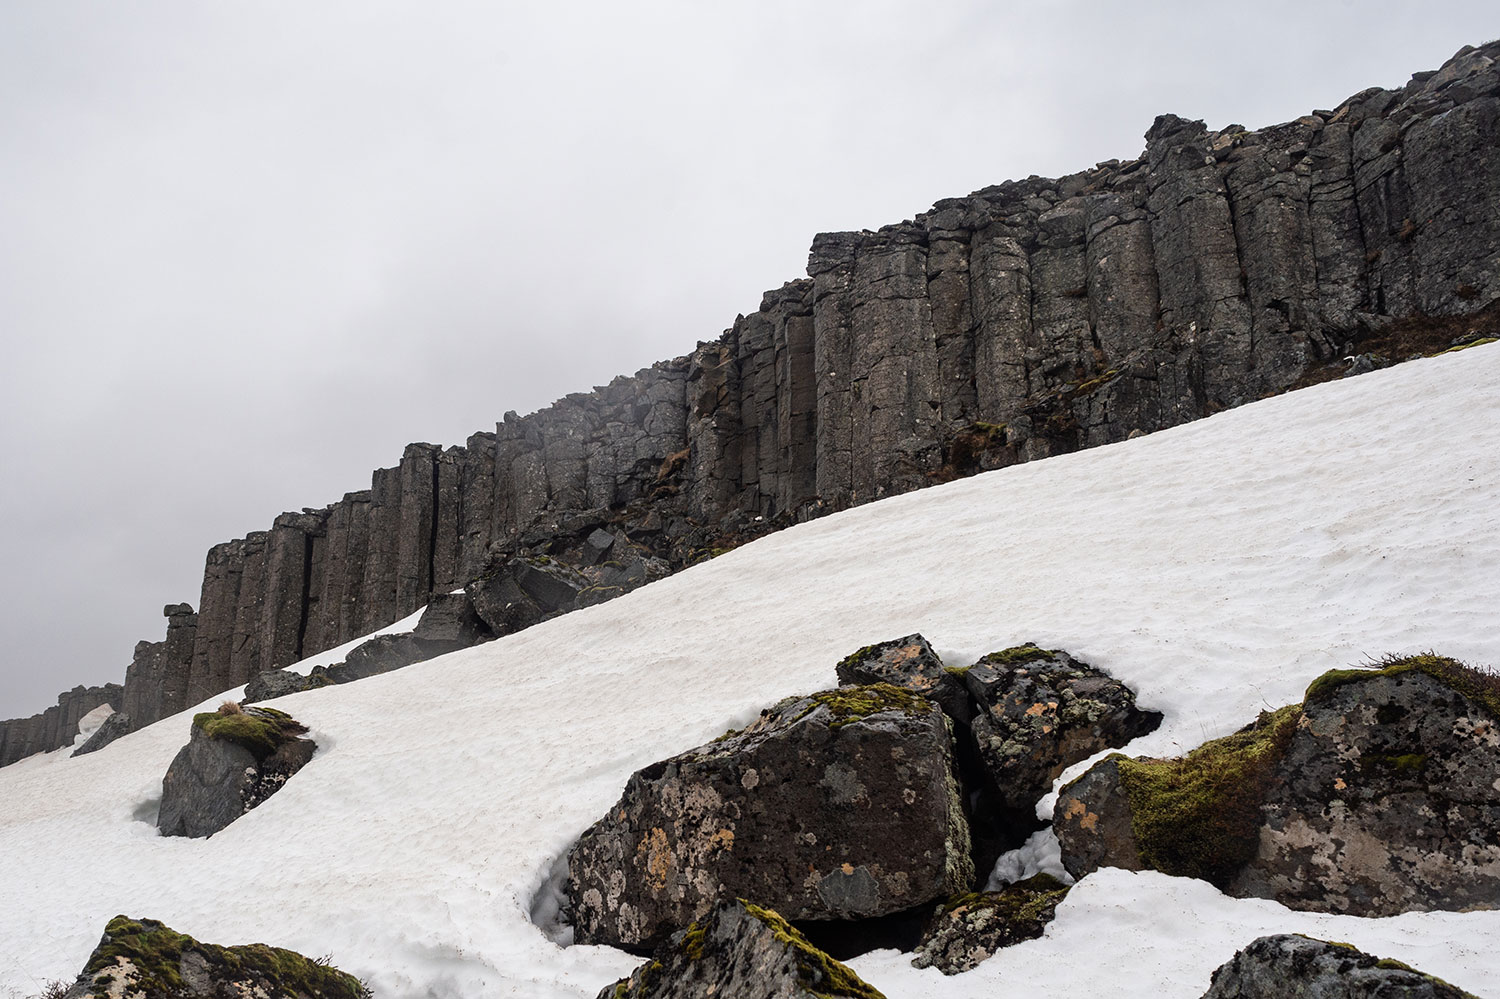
pixel 380 654
pixel 234 760
pixel 1275 967
pixel 1375 796
pixel 1386 800
pixel 143 958
pixel 1038 711
pixel 524 591
pixel 740 950
pixel 116 725
pixel 451 621
pixel 970 928
pixel 906 662
pixel 840 805
pixel 274 683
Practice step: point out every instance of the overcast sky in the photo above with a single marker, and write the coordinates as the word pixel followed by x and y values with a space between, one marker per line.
pixel 250 250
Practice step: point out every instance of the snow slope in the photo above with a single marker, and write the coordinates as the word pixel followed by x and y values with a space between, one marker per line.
pixel 1217 567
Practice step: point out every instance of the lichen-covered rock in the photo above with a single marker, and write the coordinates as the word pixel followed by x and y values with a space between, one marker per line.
pixel 838 805
pixel 912 663
pixel 908 662
pixel 1388 795
pixel 1375 796
pixel 740 949
pixel 236 758
pixel 1038 711
pixel 143 959
pixel 970 928
pixel 1275 967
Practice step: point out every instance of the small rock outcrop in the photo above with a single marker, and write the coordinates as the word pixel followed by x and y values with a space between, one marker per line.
pixel 144 959
pixel 274 683
pixel 970 928
pixel 524 591
pixel 1275 967
pixel 116 725
pixel 740 949
pixel 1375 796
pixel 839 805
pixel 237 757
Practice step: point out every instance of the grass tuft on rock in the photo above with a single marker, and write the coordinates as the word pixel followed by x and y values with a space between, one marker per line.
pixel 260 730
pixel 1198 816
pixel 1016 655
pixel 1478 683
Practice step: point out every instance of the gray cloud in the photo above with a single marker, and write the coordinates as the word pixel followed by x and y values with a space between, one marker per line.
pixel 250 250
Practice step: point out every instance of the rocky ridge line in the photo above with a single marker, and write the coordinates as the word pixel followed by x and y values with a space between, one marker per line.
pixel 1028 319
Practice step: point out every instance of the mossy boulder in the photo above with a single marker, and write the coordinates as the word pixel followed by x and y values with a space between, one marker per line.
pixel 969 929
pixel 908 662
pixel 236 758
pixel 1288 964
pixel 740 949
pixel 1377 795
pixel 143 959
pixel 838 805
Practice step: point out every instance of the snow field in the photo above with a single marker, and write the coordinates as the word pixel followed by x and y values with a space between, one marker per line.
pixel 1217 568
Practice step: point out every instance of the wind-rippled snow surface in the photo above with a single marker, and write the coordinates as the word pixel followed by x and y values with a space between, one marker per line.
pixel 1217 568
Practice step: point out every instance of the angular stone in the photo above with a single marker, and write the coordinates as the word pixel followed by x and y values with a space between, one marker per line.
pixel 969 929
pixel 838 805
pixel 450 620
pixel 1039 711
pixel 235 759
pixel 524 591
pixel 145 959
pixel 114 726
pixel 906 662
pixel 274 683
pixel 740 949
pixel 1288 964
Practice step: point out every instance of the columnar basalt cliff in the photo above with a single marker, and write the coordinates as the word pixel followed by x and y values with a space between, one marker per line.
pixel 1032 318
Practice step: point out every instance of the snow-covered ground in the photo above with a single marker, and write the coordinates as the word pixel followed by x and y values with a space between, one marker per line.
pixel 1217 568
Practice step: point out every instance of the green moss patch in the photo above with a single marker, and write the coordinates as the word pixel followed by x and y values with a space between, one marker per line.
pixel 1472 343
pixel 260 730
pixel 848 705
pixel 1477 683
pixel 156 952
pixel 1016 655
pixel 817 972
pixel 1024 907
pixel 1198 816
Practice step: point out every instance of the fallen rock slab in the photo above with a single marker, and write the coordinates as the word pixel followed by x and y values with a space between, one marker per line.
pixel 1276 967
pixel 114 726
pixel 236 759
pixel 740 949
pixel 143 959
pixel 838 805
pixel 273 683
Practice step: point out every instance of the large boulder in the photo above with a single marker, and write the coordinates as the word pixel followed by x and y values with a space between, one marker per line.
pixel 449 623
pixel 1275 967
pixel 970 928
pixel 838 805
pixel 1039 711
pixel 525 590
pixel 236 758
pixel 740 949
pixel 143 959
pixel 1375 796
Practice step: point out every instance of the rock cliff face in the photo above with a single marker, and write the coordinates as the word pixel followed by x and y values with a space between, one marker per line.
pixel 1032 318
pixel 57 726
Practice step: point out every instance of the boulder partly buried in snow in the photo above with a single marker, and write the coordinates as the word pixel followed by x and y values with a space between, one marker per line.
pixel 970 928
pixel 273 683
pixel 839 805
pixel 525 590
pixel 1276 967
pixel 740 950
pixel 1038 711
pixel 116 725
pixel 237 757
pixel 1377 795
pixel 143 959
